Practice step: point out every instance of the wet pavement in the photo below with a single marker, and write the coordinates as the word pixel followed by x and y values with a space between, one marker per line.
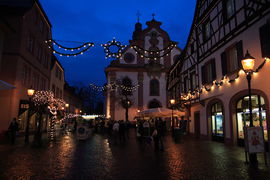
pixel 99 159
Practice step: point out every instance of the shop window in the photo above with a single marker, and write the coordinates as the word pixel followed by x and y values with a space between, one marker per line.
pixel 208 71
pixel 217 120
pixel 258 114
pixel 154 87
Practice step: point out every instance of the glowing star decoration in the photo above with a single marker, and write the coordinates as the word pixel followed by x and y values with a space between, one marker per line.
pixel 108 49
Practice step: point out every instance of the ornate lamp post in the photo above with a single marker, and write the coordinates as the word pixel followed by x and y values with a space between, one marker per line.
pixel 30 93
pixel 172 102
pixel 248 66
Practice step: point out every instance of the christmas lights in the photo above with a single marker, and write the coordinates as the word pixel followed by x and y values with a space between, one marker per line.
pixel 113 86
pixel 110 44
pixel 85 46
pixel 153 55
pixel 190 95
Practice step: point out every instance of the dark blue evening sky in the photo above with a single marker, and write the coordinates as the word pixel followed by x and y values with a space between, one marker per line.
pixel 99 21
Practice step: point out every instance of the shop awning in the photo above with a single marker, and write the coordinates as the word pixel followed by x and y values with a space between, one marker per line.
pixel 4 85
pixel 160 112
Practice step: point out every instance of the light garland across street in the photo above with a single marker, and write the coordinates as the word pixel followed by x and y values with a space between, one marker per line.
pixel 75 51
pixel 114 86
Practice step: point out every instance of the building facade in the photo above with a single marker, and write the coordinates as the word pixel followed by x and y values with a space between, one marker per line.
pixel 57 79
pixel 25 61
pixel 207 80
pixel 75 104
pixel 138 76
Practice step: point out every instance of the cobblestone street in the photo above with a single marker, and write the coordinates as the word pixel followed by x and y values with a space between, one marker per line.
pixel 98 158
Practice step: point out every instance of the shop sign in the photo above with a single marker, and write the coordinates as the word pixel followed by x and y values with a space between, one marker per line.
pixel 254 140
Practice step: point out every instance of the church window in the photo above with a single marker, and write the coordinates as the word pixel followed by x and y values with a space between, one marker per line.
pixel 154 104
pixel 154 87
pixel 127 84
pixel 129 57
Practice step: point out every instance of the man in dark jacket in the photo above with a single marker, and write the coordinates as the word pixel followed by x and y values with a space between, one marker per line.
pixel 13 128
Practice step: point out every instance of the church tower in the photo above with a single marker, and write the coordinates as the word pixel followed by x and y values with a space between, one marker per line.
pixel 141 70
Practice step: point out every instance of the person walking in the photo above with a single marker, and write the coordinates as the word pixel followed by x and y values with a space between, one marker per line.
pixel 13 129
pixel 115 131
pixel 122 137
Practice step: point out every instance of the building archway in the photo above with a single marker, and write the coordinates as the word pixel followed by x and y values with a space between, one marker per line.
pixel 215 120
pixel 239 114
pixel 154 104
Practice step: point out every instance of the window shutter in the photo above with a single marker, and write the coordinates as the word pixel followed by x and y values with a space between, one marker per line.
pixel 213 69
pixel 239 49
pixel 203 74
pixel 265 40
pixel 224 63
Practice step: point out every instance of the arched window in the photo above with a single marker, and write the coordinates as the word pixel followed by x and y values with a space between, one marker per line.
pixel 258 115
pixel 154 87
pixel 127 83
pixel 217 122
pixel 154 104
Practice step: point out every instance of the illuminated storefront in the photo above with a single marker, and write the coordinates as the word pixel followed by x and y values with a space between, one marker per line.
pixel 217 122
pixel 258 114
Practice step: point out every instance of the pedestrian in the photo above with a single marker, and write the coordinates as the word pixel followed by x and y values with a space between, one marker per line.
pixel 75 127
pixel 122 137
pixel 13 129
pixel 156 139
pixel 127 127
pixel 160 132
pixel 115 131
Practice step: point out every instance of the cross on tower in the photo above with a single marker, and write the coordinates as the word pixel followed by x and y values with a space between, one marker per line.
pixel 153 15
pixel 138 16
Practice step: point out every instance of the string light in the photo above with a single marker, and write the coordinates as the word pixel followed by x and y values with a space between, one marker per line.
pixel 78 50
pixel 154 54
pixel 225 79
pixel 114 86
pixel 108 51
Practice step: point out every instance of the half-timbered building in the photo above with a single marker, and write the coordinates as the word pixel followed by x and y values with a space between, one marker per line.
pixel 207 80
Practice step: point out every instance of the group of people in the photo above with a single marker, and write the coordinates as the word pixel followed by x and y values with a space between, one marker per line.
pixel 119 130
pixel 155 130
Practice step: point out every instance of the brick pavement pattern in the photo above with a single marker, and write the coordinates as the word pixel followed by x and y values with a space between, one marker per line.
pixel 99 159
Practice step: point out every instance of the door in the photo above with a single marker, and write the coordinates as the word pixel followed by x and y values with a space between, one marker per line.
pixel 197 127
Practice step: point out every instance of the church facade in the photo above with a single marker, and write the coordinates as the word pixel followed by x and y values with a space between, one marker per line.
pixel 138 77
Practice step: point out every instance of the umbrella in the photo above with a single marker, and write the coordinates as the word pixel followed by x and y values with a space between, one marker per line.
pixel 159 112
pixel 4 85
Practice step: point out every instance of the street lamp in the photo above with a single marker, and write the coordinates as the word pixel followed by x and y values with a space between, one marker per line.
pixel 172 101
pixel 30 93
pixel 248 66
